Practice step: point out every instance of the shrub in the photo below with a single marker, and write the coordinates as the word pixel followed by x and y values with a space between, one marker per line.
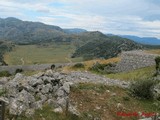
pixel 142 88
pixel 157 60
pixel 79 65
pixel 18 71
pixel 98 67
pixel 102 68
pixel 53 66
pixel 4 74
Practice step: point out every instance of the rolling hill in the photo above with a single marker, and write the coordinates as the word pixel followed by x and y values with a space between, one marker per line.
pixel 98 45
pixel 88 45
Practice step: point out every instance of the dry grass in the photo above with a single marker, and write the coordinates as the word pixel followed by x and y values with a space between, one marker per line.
pixel 154 51
pixel 90 63
pixel 104 61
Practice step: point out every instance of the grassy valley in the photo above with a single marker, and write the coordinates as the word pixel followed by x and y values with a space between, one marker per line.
pixel 37 54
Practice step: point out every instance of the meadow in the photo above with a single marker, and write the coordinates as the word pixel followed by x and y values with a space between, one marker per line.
pixel 36 54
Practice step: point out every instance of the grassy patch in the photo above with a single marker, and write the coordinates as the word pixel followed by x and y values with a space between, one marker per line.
pixel 4 74
pixel 32 54
pixel 105 105
pixel 47 114
pixel 154 51
pixel 30 73
pixel 2 92
pixel 142 73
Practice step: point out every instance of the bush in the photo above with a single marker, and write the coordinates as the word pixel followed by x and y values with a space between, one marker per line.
pixel 4 74
pixel 53 66
pixel 142 88
pixel 101 67
pixel 79 65
pixel 18 71
pixel 157 60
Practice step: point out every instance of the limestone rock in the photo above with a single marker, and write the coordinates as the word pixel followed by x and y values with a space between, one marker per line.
pixel 21 103
pixel 156 91
pixel 58 110
pixel 34 82
pixel 66 87
pixel 3 80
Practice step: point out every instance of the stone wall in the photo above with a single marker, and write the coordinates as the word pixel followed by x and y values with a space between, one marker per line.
pixel 132 60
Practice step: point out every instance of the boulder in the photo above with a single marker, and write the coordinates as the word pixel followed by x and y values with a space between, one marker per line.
pixel 156 91
pixel 58 110
pixel 18 77
pixel 66 87
pixel 49 73
pixel 46 89
pixel 3 80
pixel 34 82
pixel 12 88
pixel 60 92
pixel 21 103
pixel 63 102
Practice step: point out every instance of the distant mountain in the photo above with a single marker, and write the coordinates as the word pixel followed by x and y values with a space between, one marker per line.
pixel 20 31
pixel 143 40
pixel 74 31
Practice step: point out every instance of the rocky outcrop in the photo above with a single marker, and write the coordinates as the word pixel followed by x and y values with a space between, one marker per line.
pixel 28 93
pixel 25 94
pixel 156 91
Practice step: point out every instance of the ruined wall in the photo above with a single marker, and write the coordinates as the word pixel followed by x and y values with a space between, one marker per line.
pixel 132 60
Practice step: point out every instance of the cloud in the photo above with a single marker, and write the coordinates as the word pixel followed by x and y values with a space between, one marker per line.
pixel 135 17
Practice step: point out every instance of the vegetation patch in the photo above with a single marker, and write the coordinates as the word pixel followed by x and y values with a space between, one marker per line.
pixel 31 54
pixel 135 75
pixel 105 105
pixel 143 88
pixel 78 65
pixel 18 71
pixel 4 74
pixel 46 113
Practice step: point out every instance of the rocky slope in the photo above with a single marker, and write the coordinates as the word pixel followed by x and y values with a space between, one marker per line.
pixel 25 94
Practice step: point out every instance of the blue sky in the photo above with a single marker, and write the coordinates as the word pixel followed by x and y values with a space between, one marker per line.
pixel 129 17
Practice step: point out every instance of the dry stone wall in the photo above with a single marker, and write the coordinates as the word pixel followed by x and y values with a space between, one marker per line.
pixel 132 60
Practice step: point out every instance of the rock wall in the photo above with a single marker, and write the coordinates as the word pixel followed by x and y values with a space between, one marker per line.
pixel 132 60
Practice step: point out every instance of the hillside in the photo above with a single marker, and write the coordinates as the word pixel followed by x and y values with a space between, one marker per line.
pixel 98 45
pixel 25 32
pixel 4 47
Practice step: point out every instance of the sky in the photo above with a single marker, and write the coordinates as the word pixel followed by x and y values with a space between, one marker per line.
pixel 125 17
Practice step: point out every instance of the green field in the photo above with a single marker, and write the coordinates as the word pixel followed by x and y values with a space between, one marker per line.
pixel 139 74
pixel 33 54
